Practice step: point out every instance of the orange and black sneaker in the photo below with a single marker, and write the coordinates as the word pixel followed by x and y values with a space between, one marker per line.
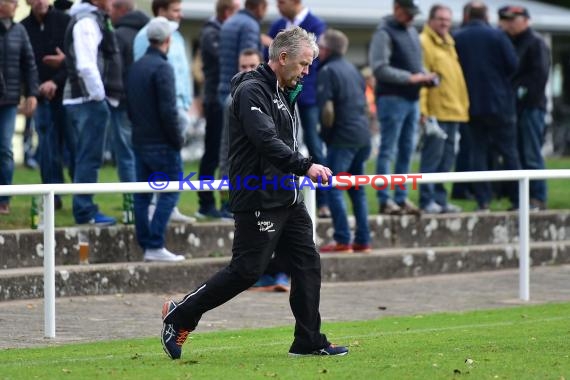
pixel 336 248
pixel 172 336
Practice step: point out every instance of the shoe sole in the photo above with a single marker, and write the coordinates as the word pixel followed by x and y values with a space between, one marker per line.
pixel 166 309
pixel 343 252
pixel 162 261
pixel 163 343
pixel 304 355
pixel 281 289
pixel 269 288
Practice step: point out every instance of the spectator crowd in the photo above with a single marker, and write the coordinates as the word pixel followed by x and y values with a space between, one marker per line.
pixel 469 97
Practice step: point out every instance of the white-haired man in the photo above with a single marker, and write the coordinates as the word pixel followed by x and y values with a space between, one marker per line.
pixel 269 212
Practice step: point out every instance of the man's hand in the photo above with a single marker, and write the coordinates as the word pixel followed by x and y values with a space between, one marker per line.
pixel 48 89
pixel 423 119
pixel 317 171
pixel 423 79
pixel 29 106
pixel 54 60
pixel 266 40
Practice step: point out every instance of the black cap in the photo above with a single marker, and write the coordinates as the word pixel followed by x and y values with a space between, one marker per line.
pixel 509 12
pixel 411 6
pixel 62 5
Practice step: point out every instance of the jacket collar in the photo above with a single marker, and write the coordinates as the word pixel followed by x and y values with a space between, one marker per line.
pixel 436 38
pixel 154 51
pixel 330 58
pixel 248 13
pixel 477 23
pixel 46 17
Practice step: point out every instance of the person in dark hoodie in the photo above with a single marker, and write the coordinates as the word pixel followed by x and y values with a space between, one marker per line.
pixel 46 28
pixel 264 147
pixel 17 70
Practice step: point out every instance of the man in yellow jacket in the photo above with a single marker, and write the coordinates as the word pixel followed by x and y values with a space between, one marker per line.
pixel 443 107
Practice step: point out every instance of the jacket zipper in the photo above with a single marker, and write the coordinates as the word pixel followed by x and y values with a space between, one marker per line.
pixel 294 138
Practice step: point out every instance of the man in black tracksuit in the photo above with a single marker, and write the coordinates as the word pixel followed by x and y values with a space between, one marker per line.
pixel 268 209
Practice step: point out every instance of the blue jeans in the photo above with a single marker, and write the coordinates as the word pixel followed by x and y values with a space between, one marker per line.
pixel 51 126
pixel 399 119
pixel 531 127
pixel 437 156
pixel 348 160
pixel 7 125
pixel 309 116
pixel 89 121
pixel 151 159
pixel 121 131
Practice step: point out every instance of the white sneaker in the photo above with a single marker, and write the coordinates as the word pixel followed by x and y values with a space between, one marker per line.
pixel 432 208
pixel 450 208
pixel 177 217
pixel 161 254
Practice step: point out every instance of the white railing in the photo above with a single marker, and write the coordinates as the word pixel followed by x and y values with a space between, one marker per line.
pixel 49 190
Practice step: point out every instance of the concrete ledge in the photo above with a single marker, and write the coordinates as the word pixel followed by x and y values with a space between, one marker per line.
pixel 24 248
pixel 75 280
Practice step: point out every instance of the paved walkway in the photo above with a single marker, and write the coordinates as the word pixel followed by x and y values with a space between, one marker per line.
pixel 84 319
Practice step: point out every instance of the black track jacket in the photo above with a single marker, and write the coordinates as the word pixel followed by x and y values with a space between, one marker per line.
pixel 264 160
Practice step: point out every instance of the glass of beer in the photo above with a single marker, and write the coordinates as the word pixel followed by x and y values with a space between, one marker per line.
pixel 83 238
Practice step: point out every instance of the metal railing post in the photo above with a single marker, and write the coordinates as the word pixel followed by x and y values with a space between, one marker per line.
pixel 524 240
pixel 49 265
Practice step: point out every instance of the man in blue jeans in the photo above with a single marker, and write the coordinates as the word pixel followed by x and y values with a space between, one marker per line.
pixel 46 28
pixel 396 60
pixel 296 14
pixel 17 71
pixel 442 107
pixel 157 139
pixel 529 85
pixel 127 22
pixel 94 83
pixel 341 99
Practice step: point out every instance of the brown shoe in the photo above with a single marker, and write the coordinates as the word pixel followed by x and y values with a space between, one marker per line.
pixel 409 208
pixel 361 248
pixel 4 209
pixel 390 208
pixel 336 248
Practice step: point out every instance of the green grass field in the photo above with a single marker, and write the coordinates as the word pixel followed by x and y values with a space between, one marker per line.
pixel 513 343
pixel 111 204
